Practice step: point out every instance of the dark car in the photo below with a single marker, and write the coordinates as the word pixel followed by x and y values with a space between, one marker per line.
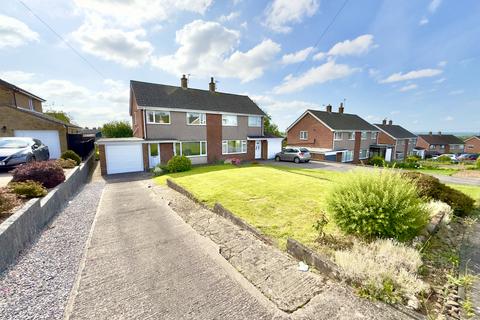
pixel 468 157
pixel 293 154
pixel 15 151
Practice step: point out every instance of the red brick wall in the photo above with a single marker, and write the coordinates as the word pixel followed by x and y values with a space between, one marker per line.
pixel 137 118
pixel 103 161
pixel 384 138
pixel 166 152
pixel 474 143
pixel 422 143
pixel 214 137
pixel 319 136
pixel 356 148
pixel 145 156
pixel 405 150
pixel 264 149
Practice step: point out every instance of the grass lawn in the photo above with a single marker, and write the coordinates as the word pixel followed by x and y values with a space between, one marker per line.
pixel 444 172
pixel 280 201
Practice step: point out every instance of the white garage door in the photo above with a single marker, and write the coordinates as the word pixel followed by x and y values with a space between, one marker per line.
pixel 124 158
pixel 48 137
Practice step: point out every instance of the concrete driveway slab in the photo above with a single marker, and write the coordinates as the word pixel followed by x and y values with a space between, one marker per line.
pixel 5 178
pixel 144 262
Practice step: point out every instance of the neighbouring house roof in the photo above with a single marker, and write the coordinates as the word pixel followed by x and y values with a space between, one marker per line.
pixel 441 139
pixel 43 116
pixel 342 121
pixel 17 89
pixel 395 131
pixel 266 136
pixel 171 97
pixel 473 137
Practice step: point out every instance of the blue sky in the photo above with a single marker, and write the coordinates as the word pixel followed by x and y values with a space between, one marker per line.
pixel 415 62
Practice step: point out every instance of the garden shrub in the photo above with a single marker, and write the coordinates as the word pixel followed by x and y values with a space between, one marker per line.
pixel 412 158
pixel 8 201
pixel 67 163
pixel 48 173
pixel 431 188
pixel 376 161
pixel 70 154
pixel 444 159
pixel 159 170
pixel 179 164
pixel 384 270
pixel 377 204
pixel 478 163
pixel 438 208
pixel 28 189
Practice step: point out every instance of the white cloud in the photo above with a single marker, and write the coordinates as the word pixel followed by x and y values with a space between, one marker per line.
pixel 125 47
pixel 232 16
pixel 423 21
pixel 357 46
pixel 207 48
pixel 440 80
pixel 244 25
pixel 319 56
pixel 415 74
pixel 280 14
pixel 449 118
pixel 15 76
pixel 433 6
pixel 137 12
pixel 317 75
pixel 408 87
pixel 456 92
pixel 298 56
pixel 442 64
pixel 14 33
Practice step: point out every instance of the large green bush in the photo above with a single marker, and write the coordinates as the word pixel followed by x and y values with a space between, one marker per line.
pixel 28 189
pixel 117 129
pixel 376 161
pixel 70 154
pixel 48 173
pixel 431 188
pixel 444 159
pixel 179 164
pixel 379 204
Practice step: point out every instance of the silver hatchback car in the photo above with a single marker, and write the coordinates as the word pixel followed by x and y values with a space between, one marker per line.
pixel 296 155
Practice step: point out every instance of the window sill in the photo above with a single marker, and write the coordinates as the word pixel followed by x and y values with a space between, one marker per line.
pixel 158 123
pixel 196 125
pixel 226 154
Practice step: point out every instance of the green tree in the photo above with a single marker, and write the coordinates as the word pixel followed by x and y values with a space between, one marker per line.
pixel 117 129
pixel 269 127
pixel 59 115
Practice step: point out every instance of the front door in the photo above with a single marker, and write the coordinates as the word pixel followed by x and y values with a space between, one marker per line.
pixel 153 154
pixel 258 149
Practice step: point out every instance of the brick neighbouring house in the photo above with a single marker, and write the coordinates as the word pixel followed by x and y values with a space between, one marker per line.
pixel 399 140
pixel 472 144
pixel 204 125
pixel 436 144
pixel 334 136
pixel 22 115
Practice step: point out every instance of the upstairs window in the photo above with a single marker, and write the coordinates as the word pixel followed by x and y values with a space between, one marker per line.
pixel 196 119
pixel 364 135
pixel 254 121
pixel 229 120
pixel 337 136
pixel 303 135
pixel 374 135
pixel 350 136
pixel 158 117
pixel 30 103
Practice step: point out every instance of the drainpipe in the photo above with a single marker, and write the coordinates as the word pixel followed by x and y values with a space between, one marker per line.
pixel 144 123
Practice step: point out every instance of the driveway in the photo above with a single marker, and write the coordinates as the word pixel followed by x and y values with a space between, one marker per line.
pixel 143 261
pixel 343 167
pixel 5 178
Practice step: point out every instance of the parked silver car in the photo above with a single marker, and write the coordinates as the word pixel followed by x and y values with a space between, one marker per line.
pixel 15 151
pixel 296 155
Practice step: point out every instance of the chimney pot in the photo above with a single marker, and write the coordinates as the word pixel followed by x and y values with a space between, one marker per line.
pixel 211 85
pixel 329 108
pixel 390 122
pixel 430 133
pixel 184 82
pixel 439 133
pixel 341 108
pixel 384 121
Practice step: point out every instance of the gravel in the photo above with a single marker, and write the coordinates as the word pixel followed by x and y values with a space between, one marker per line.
pixel 38 285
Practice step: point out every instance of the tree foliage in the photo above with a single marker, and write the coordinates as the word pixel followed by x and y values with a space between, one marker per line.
pixel 59 115
pixel 117 129
pixel 269 127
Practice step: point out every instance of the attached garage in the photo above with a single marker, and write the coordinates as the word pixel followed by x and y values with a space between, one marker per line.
pixel 49 138
pixel 122 158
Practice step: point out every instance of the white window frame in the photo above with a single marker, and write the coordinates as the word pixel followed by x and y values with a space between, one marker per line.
pixel 373 135
pixel 201 116
pixel 227 116
pixel 363 135
pixel 335 135
pixel 203 153
pixel 352 135
pixel 30 103
pixel 303 135
pixel 344 156
pixel 243 147
pixel 252 121
pixel 365 156
pixel 154 112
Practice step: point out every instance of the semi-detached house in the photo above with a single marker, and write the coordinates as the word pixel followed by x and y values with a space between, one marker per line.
pixel 394 141
pixel 334 136
pixel 204 125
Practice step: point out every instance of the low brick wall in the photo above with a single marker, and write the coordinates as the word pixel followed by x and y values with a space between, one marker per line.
pixel 21 228
pixel 320 262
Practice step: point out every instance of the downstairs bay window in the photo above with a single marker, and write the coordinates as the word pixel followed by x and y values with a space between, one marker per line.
pixel 191 148
pixel 234 146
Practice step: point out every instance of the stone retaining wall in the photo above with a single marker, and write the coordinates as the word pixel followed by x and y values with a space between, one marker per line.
pixel 21 228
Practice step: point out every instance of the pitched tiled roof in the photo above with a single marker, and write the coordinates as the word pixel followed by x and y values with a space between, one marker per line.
pixel 15 88
pixel 396 131
pixel 441 139
pixel 44 116
pixel 343 121
pixel 164 96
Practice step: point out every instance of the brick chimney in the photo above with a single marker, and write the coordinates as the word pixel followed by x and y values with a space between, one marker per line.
pixel 329 108
pixel 384 121
pixel 439 133
pixel 390 122
pixel 430 133
pixel 341 108
pixel 211 85
pixel 184 82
